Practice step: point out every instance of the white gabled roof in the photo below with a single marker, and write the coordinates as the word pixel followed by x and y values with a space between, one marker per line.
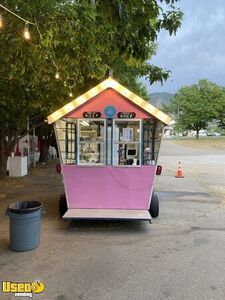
pixel 109 83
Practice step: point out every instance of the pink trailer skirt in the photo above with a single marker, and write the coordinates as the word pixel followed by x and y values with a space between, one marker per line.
pixel 108 188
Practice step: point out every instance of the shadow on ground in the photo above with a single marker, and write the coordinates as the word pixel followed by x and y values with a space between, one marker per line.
pixel 128 227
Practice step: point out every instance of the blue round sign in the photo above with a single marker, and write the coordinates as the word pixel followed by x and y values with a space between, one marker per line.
pixel 110 111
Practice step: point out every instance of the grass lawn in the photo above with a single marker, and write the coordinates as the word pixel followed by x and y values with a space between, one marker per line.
pixel 217 143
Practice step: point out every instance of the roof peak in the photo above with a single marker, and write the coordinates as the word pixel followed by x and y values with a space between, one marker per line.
pixel 109 83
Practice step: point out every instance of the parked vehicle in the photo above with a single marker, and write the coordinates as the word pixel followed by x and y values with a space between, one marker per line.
pixel 213 134
pixel 201 133
pixel 216 134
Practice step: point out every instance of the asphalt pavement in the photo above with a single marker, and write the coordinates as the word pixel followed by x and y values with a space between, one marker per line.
pixel 179 256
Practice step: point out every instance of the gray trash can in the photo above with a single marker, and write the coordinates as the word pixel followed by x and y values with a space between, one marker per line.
pixel 25 221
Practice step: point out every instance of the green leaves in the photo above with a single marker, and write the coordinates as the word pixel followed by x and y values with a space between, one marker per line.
pixel 171 21
pixel 81 40
pixel 195 106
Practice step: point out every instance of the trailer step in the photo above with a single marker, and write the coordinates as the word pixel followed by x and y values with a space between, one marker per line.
pixel 107 214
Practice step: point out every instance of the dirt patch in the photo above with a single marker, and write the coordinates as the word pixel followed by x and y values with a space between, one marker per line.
pixel 40 182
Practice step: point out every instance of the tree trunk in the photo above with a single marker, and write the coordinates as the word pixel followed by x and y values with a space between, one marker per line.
pixel 3 155
pixel 45 135
pixel 44 146
pixel 197 134
pixel 3 165
pixel 6 148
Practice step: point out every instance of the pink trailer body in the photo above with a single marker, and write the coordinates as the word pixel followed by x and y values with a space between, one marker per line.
pixel 108 141
pixel 108 187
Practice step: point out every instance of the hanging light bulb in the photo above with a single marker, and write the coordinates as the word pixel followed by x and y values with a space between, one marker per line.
pixel 57 75
pixel 70 93
pixel 1 22
pixel 26 32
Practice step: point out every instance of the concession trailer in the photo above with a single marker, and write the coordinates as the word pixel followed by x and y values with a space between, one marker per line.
pixel 108 141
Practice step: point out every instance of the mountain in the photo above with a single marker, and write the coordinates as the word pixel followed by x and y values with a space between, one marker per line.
pixel 157 99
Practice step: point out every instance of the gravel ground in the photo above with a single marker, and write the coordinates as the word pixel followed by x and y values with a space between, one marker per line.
pixel 179 256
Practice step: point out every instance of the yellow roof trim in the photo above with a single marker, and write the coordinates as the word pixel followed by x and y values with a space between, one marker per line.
pixel 109 83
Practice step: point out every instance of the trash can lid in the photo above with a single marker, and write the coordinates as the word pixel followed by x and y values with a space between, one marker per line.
pixel 24 207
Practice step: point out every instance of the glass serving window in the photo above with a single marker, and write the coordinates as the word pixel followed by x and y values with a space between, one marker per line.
pixel 152 133
pixel 91 142
pixel 65 130
pixel 126 142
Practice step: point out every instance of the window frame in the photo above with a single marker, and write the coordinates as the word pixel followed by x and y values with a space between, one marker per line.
pixel 102 143
pixel 62 140
pixel 139 142
pixel 154 141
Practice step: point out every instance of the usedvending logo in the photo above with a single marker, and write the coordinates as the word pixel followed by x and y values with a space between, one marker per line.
pixel 23 289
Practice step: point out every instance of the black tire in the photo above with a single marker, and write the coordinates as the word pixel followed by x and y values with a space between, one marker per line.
pixel 154 206
pixel 62 205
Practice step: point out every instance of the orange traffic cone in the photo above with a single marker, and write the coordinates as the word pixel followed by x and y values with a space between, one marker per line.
pixel 179 171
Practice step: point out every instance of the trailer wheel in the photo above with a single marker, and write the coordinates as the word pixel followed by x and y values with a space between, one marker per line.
pixel 62 205
pixel 154 206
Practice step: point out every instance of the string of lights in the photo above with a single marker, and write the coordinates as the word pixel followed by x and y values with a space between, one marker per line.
pixel 27 36
pixel 26 32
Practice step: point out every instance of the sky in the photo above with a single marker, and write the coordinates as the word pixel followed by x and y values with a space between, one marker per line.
pixel 198 49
